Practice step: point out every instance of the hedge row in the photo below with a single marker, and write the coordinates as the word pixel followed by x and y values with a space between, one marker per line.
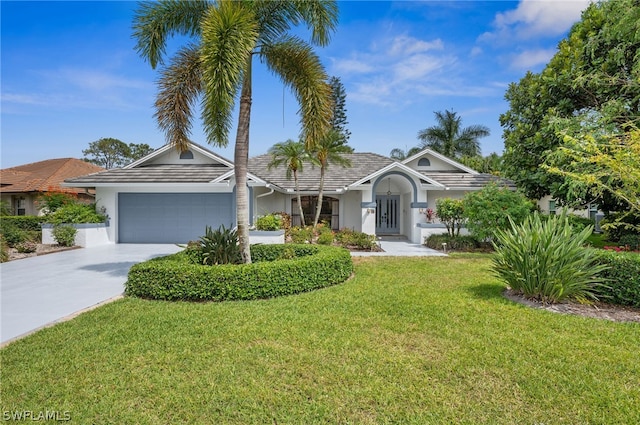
pixel 23 222
pixel 622 279
pixel 272 274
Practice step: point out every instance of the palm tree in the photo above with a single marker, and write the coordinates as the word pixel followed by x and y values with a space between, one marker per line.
pixel 329 149
pixel 217 67
pixel 450 139
pixel 400 155
pixel 293 155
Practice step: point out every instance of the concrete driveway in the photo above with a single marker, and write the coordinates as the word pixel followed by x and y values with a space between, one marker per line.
pixel 39 291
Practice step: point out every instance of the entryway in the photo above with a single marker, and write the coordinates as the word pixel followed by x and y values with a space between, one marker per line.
pixel 387 214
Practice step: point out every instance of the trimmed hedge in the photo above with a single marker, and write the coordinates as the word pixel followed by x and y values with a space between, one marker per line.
pixel 622 279
pixel 274 273
pixel 23 222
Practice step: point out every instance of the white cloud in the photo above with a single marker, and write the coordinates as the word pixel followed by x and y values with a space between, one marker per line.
pixel 405 45
pixel 536 18
pixel 351 66
pixel 531 58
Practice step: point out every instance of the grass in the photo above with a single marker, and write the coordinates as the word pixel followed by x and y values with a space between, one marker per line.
pixel 410 341
pixel 597 240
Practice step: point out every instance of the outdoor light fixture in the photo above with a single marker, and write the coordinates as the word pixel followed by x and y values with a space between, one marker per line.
pixel 389 191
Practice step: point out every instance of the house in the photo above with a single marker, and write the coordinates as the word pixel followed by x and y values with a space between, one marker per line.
pixel 169 196
pixel 21 186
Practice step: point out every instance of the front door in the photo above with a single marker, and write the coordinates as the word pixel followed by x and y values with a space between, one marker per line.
pixel 387 218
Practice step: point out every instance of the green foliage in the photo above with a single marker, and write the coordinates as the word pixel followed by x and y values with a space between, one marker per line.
pixel 220 246
pixel 490 164
pixel 325 238
pixel 13 235
pixel 76 214
pixel 338 120
pixel 5 208
pixel 50 201
pixel 451 214
pixel 4 250
pixel 64 235
pixel 614 228
pixel 23 222
pixel 621 277
pixel 450 139
pixel 269 222
pixel 491 208
pixel 632 241
pixel 352 239
pixel 301 234
pixel 111 153
pixel 454 243
pixel 26 247
pixel 546 260
pixel 174 278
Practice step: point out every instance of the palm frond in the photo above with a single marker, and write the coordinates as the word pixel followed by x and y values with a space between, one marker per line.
pixel 154 22
pixel 180 85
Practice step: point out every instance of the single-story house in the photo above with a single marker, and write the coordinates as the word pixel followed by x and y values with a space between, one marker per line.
pixel 170 196
pixel 21 186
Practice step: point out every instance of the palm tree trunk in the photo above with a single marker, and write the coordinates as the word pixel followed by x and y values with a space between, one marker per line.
pixel 241 160
pixel 319 206
pixel 295 179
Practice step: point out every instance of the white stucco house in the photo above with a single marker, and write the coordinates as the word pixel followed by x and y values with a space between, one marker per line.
pixel 169 196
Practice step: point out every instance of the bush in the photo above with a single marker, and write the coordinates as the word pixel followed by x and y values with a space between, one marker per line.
pixel 269 222
pixel 352 239
pixel 630 240
pixel 28 223
pixel 64 235
pixel 454 243
pixel 4 250
pixel 13 235
pixel 325 238
pixel 26 247
pixel 220 246
pixel 451 214
pixel 175 278
pixel 616 225
pixel 53 200
pixel 621 278
pixel 544 259
pixel 302 235
pixel 76 214
pixel 491 208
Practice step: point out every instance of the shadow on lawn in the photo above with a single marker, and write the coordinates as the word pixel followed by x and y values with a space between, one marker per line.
pixel 487 291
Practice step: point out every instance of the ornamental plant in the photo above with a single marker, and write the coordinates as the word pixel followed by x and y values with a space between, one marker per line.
pixel 64 235
pixel 546 260
pixel 451 213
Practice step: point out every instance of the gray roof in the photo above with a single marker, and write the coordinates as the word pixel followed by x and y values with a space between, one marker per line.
pixel 466 180
pixel 336 176
pixel 191 173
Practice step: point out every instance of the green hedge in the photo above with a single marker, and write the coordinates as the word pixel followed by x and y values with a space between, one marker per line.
pixel 272 274
pixel 622 279
pixel 23 222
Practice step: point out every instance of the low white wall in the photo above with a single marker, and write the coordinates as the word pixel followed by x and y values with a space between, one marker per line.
pixel 88 235
pixel 266 237
pixel 428 229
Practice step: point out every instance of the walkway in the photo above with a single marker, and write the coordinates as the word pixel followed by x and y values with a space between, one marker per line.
pixel 399 246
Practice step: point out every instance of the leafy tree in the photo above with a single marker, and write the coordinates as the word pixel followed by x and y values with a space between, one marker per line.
pixel 451 214
pixel 490 164
pixel 293 155
pixel 491 208
pixel 400 155
pixel 450 139
pixel 139 150
pixel 328 150
pixel 216 68
pixel 594 77
pixel 339 116
pixel 111 153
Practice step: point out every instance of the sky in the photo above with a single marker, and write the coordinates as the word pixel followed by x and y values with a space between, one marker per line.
pixel 70 74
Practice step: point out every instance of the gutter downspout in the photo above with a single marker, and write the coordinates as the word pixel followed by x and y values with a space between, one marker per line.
pixel 268 186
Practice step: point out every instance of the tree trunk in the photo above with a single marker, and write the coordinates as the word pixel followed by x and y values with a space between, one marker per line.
pixel 295 179
pixel 319 206
pixel 241 161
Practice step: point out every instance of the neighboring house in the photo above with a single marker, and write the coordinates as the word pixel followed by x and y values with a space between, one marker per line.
pixel 21 186
pixel 169 197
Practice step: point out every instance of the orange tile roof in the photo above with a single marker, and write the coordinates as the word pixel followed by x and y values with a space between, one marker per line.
pixel 44 176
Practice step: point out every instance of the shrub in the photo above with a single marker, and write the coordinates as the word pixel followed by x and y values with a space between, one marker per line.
pixel 302 235
pixel 455 243
pixel 28 223
pixel 175 278
pixel 491 208
pixel 4 250
pixel 451 214
pixel 544 259
pixel 616 225
pixel 621 278
pixel 64 235
pixel 269 222
pixel 53 200
pixel 630 240
pixel 76 214
pixel 220 246
pixel 13 235
pixel 325 238
pixel 26 247
pixel 352 239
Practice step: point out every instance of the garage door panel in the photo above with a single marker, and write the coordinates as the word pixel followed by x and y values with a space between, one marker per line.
pixel 171 217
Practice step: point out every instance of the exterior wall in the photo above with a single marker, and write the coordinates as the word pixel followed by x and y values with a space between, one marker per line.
pixel 88 235
pixel 436 164
pixel 544 204
pixel 274 202
pixel 172 156
pixel 351 211
pixel 29 202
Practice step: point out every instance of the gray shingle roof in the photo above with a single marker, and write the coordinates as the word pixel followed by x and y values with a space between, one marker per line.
pixel 336 177
pixel 191 173
pixel 465 180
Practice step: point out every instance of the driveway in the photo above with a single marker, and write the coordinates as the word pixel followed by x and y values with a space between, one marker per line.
pixel 38 291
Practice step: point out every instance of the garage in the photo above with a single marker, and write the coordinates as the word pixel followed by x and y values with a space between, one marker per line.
pixel 171 217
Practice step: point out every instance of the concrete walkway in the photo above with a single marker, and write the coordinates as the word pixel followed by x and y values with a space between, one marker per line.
pixel 399 246
pixel 38 291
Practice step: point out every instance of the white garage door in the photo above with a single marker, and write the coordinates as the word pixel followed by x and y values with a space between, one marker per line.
pixel 171 217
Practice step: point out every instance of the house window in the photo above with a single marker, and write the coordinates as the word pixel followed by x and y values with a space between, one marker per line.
pixel 186 155
pixel 552 207
pixel 424 162
pixel 21 206
pixel 328 213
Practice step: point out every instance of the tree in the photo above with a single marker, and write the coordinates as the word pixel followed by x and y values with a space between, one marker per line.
pixel 329 149
pixel 451 214
pixel 490 164
pixel 216 69
pixel 339 116
pixel 112 153
pixel 400 155
pixel 293 155
pixel 450 139
pixel 139 150
pixel 594 77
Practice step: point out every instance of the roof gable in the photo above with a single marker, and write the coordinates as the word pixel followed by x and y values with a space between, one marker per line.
pixel 438 163
pixel 168 155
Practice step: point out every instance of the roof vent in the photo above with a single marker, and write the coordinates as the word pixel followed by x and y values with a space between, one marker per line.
pixel 424 162
pixel 186 154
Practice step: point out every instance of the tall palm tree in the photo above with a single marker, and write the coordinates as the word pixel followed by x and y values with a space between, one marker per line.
pixel 450 139
pixel 400 155
pixel 329 149
pixel 216 68
pixel 293 155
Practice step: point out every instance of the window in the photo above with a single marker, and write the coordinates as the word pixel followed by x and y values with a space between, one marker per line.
pixel 21 206
pixel 186 155
pixel 552 207
pixel 328 213
pixel 424 162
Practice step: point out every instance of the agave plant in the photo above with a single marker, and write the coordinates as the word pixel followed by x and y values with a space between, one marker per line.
pixel 220 246
pixel 546 260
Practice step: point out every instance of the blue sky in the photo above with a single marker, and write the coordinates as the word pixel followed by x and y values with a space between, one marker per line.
pixel 70 74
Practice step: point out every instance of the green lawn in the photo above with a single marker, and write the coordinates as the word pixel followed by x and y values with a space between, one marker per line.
pixel 406 341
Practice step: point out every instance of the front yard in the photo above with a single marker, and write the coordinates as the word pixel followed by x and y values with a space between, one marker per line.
pixel 407 340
